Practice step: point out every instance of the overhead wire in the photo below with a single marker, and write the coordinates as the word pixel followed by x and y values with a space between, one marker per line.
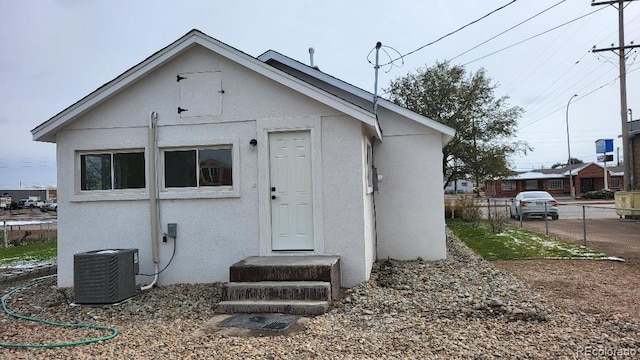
pixel 449 34
pixel 532 37
pixel 506 31
pixel 549 50
pixel 569 87
pixel 522 126
pixel 558 87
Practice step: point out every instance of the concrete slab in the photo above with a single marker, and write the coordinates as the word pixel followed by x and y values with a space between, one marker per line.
pixel 213 327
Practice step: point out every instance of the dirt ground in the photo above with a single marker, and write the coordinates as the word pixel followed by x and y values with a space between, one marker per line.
pixel 592 286
pixel 603 287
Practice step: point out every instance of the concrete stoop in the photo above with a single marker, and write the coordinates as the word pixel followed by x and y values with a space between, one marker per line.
pixel 300 285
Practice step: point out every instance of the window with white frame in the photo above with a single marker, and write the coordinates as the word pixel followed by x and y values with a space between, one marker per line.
pixel 198 168
pixel 508 184
pixel 555 184
pixel 116 170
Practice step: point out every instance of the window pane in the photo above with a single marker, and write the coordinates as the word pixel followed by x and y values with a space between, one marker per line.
pixel 180 168
pixel 128 170
pixel 215 167
pixel 554 184
pixel 508 185
pixel 531 185
pixel 95 172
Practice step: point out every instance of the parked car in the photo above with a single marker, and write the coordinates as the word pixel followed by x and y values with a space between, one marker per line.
pixel 30 204
pixel 5 201
pixel 532 203
pixel 51 205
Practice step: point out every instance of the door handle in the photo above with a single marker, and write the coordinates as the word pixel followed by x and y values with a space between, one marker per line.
pixel 273 197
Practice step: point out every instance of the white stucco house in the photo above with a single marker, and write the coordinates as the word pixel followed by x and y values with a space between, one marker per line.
pixel 249 157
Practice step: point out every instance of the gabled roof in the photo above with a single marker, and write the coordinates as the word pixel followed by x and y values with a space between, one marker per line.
pixel 47 130
pixel 271 55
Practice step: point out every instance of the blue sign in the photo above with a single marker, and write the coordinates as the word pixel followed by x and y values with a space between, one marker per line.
pixel 604 146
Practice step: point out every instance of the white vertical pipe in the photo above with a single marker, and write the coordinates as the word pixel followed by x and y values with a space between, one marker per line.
pixel 153 196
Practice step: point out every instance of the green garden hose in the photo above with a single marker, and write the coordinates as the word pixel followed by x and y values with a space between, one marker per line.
pixel 113 331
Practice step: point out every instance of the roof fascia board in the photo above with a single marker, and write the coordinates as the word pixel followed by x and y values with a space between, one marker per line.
pixel 43 132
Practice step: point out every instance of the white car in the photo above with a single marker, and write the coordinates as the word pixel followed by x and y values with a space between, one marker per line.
pixel 30 204
pixel 534 203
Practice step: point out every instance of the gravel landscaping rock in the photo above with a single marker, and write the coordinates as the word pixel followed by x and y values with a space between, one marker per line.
pixel 461 307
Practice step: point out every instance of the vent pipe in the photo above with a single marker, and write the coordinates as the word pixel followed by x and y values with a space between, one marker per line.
pixel 311 52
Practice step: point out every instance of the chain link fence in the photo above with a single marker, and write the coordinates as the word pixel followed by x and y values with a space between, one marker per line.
pixel 26 231
pixel 598 226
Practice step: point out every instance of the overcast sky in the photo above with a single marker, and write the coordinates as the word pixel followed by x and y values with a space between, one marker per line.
pixel 54 52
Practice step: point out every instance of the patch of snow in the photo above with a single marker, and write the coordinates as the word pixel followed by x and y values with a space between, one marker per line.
pixel 26 222
pixel 26 264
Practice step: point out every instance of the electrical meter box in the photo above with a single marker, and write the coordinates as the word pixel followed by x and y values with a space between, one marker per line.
pixel 105 276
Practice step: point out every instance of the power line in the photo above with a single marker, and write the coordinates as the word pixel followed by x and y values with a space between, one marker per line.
pixel 579 98
pixel 535 63
pixel 506 31
pixel 451 33
pixel 532 37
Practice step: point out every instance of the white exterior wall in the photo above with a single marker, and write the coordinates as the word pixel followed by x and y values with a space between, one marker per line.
pixel 410 203
pixel 215 229
pixel 344 227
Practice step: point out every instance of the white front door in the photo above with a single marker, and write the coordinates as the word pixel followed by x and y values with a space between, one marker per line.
pixel 291 195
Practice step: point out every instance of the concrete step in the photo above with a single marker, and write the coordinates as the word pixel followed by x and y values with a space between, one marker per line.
pixel 294 307
pixel 278 290
pixel 288 268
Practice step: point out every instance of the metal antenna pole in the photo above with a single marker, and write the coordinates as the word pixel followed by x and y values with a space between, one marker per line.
pixel 375 86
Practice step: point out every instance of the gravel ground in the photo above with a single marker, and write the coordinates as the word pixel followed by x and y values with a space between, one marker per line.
pixel 461 307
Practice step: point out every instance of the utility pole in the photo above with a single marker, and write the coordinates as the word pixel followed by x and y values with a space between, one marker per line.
pixel 475 157
pixel 629 179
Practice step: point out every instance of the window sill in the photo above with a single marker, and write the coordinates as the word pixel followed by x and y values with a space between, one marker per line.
pixel 109 196
pixel 199 194
pixel 165 195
